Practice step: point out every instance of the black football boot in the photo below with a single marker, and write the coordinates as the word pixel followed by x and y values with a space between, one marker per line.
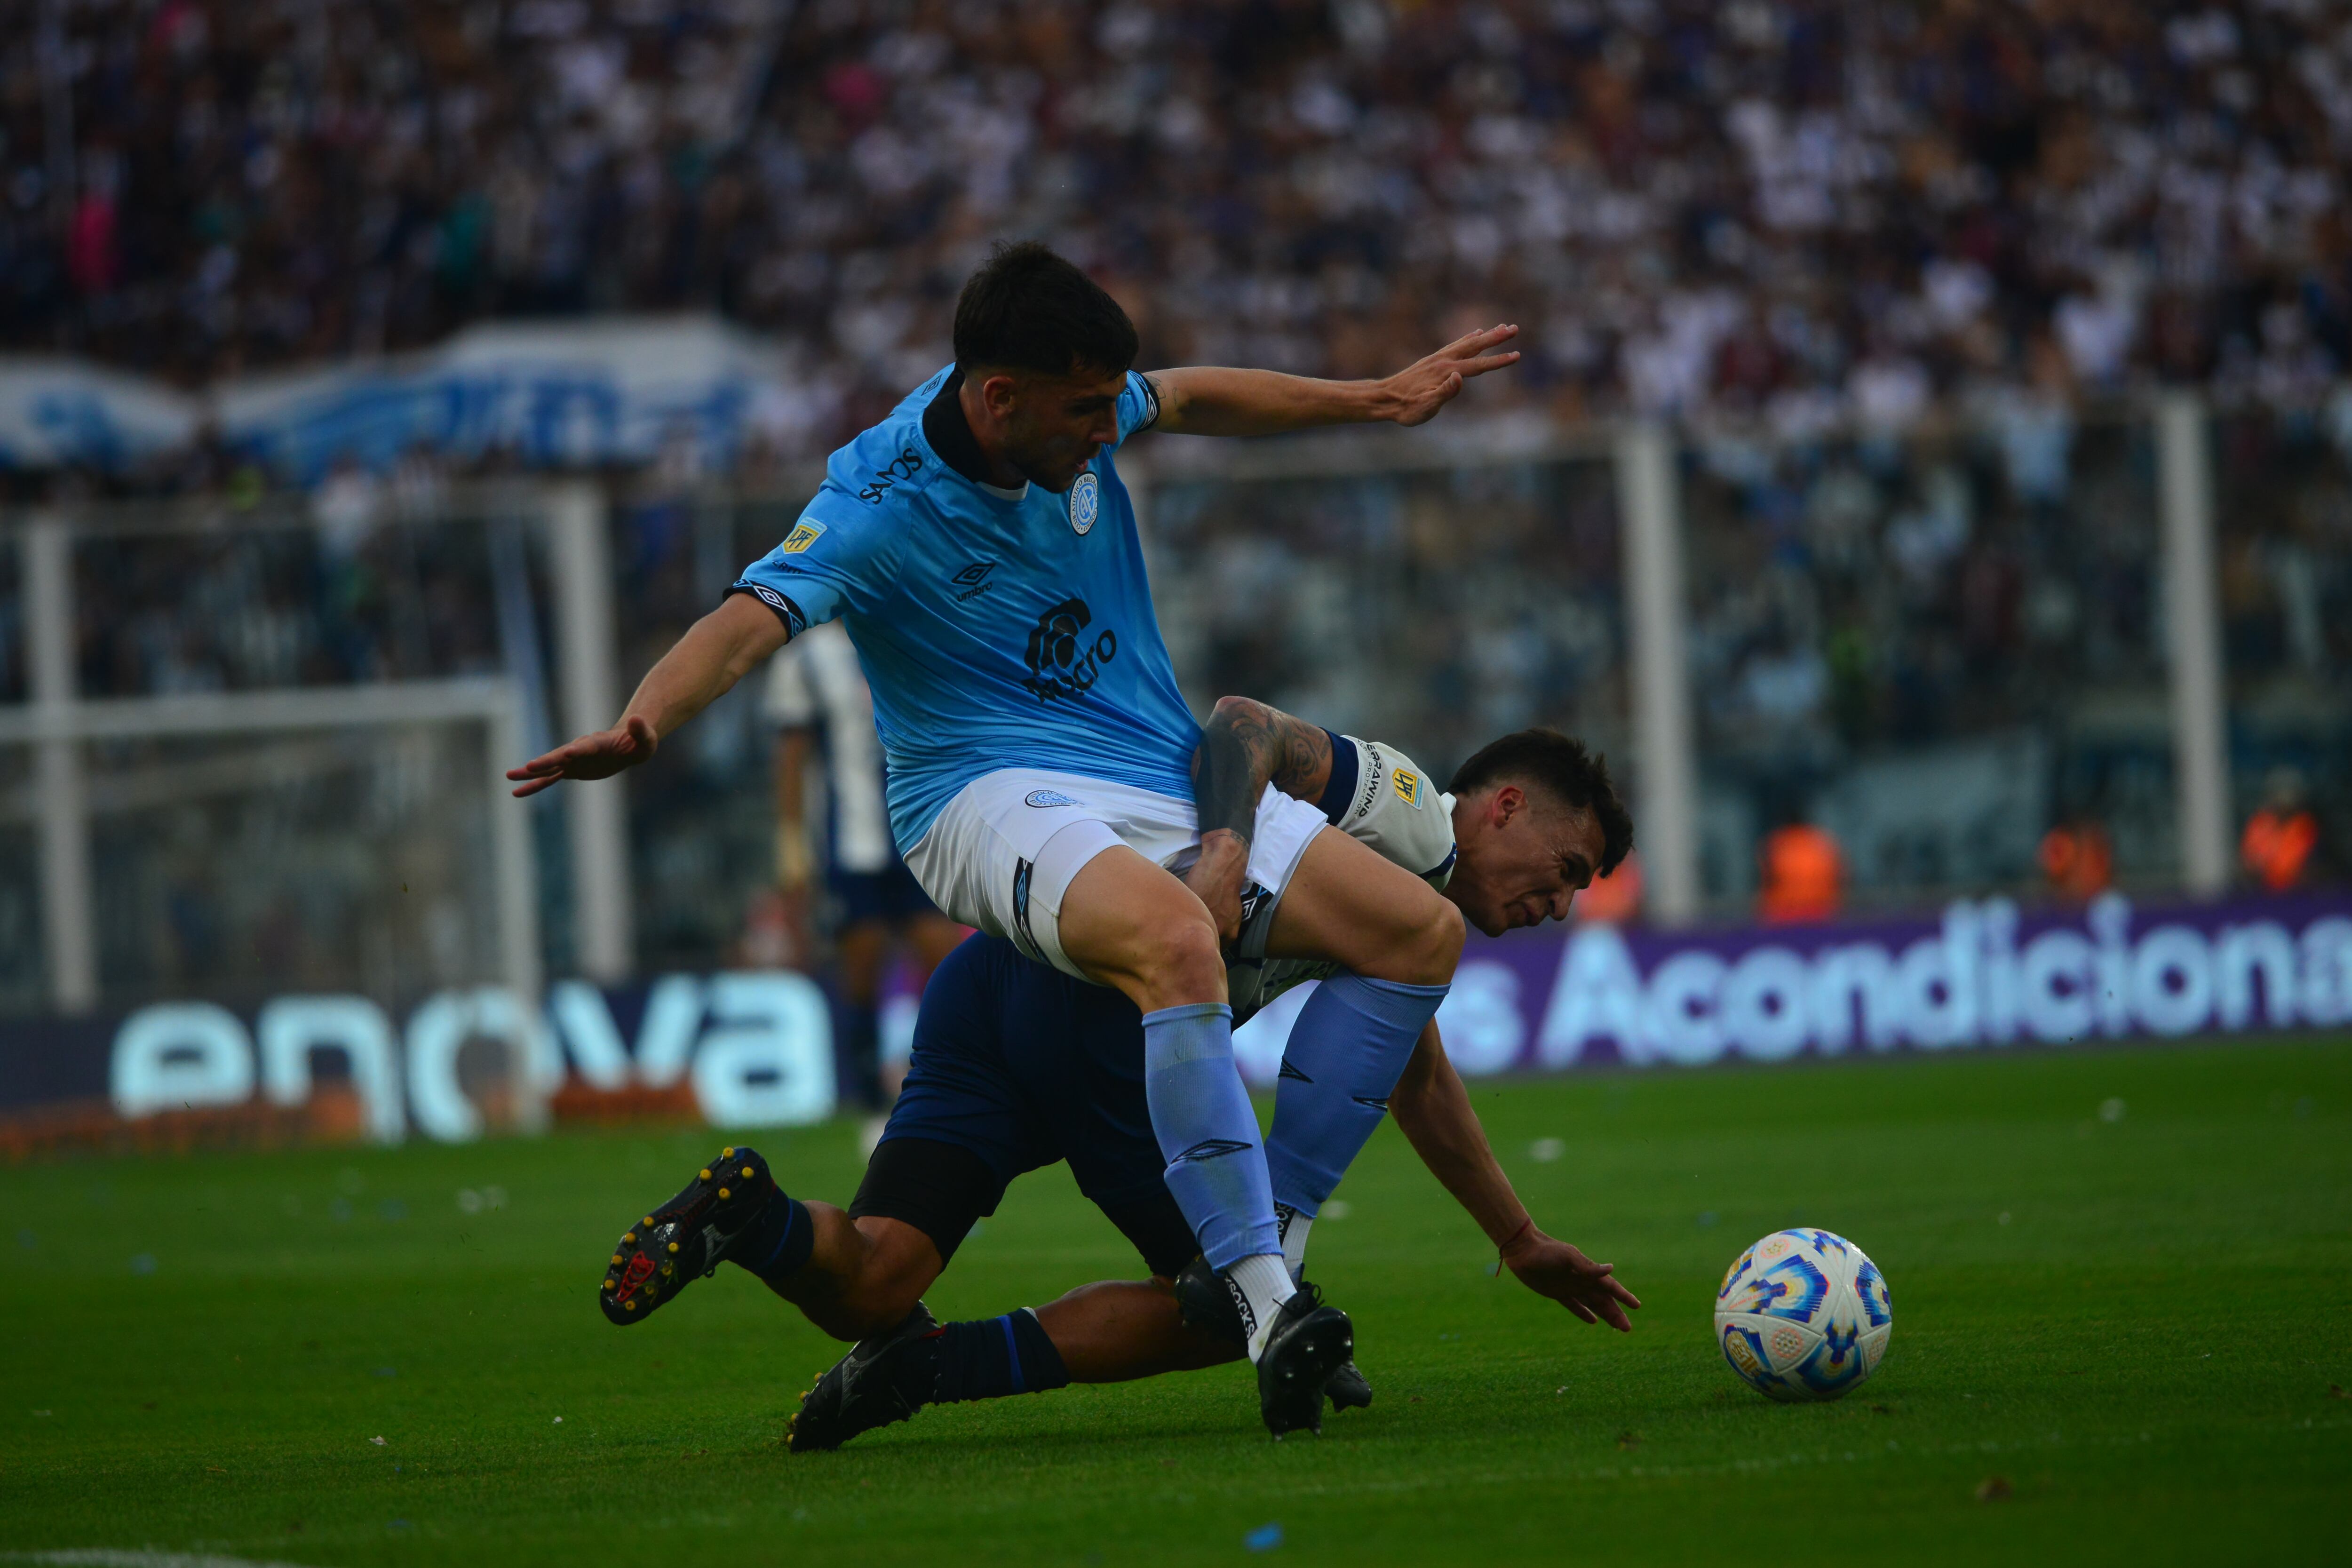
pixel 688 1238
pixel 1207 1307
pixel 883 1379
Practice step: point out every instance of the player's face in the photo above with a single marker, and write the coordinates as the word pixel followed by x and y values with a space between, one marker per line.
pixel 1522 859
pixel 1054 425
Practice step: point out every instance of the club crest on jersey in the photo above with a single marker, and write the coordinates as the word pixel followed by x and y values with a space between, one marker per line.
pixel 1047 797
pixel 1407 783
pixel 804 534
pixel 1085 503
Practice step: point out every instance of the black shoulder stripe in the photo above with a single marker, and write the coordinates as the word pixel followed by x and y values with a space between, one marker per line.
pixel 786 611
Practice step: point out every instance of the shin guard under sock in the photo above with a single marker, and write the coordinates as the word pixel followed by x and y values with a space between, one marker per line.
pixel 1349 1048
pixel 778 1241
pixel 996 1356
pixel 1208 1133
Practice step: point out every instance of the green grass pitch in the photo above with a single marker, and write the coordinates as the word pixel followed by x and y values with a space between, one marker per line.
pixel 2134 1323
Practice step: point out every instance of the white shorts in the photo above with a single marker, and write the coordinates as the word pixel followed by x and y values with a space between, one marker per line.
pixel 1002 854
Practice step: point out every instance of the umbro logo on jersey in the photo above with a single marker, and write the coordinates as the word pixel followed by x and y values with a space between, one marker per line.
pixel 972 581
pixel 794 622
pixel 1064 661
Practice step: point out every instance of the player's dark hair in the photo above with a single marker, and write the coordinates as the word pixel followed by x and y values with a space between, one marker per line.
pixel 1560 767
pixel 1028 308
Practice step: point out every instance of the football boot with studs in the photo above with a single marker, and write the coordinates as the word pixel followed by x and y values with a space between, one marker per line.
pixel 1307 1343
pixel 884 1378
pixel 688 1238
pixel 1207 1307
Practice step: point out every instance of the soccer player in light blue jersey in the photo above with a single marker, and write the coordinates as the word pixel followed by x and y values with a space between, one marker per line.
pixel 983 553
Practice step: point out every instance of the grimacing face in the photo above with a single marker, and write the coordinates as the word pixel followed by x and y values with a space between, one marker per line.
pixel 1522 857
pixel 1053 424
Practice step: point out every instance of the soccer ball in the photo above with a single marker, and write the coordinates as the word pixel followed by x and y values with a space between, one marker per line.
pixel 1804 1314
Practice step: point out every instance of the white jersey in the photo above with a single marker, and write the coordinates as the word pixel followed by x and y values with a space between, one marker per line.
pixel 1381 798
pixel 814 681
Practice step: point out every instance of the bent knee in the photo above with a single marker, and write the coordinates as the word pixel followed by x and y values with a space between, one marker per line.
pixel 1179 961
pixel 1428 948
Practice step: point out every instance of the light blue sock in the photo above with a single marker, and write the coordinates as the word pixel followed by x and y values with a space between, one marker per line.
pixel 1347 1050
pixel 1207 1131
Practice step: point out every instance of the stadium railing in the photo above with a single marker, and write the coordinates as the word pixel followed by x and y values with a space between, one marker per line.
pixel 1938 643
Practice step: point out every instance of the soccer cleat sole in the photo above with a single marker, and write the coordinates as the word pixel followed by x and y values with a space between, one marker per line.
pixel 670 1247
pixel 1313 1352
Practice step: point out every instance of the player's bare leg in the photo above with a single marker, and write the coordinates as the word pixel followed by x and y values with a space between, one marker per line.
pixel 1347 905
pixel 1136 929
pixel 1117 1330
pixel 862 1275
pixel 1130 925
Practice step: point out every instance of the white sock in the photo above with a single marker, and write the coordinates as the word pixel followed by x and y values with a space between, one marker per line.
pixel 1260 1284
pixel 1293 1227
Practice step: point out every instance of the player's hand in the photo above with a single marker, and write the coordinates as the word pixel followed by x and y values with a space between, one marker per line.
pixel 596 755
pixel 1216 879
pixel 1416 393
pixel 1556 1270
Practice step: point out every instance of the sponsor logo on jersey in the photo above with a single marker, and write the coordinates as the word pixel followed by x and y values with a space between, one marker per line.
pixel 804 534
pixel 972 581
pixel 1407 783
pixel 1047 797
pixel 1376 768
pixel 1085 503
pixel 1064 660
pixel 890 476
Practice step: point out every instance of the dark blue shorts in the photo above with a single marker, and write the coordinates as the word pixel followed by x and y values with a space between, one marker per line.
pixel 891 895
pixel 1017 1066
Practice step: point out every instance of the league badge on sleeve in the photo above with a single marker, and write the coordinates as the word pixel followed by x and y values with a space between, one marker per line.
pixel 803 535
pixel 1086 502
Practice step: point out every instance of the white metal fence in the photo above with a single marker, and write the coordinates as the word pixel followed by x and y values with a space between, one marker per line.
pixel 1430 586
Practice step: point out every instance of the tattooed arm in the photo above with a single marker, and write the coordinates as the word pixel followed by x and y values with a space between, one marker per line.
pixel 1244 746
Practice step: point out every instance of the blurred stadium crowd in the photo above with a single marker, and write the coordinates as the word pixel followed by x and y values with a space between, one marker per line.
pixel 1799 209
pixel 1884 259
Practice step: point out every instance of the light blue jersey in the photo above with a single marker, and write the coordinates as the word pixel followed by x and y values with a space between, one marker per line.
pixel 998 628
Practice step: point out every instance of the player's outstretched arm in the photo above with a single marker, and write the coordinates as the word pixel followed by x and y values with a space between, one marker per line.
pixel 716 652
pixel 1215 400
pixel 1432 1109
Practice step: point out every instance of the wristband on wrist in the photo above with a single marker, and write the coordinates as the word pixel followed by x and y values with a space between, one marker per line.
pixel 1526 1226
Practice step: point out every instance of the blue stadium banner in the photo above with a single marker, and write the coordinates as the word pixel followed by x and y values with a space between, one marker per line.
pixel 542 394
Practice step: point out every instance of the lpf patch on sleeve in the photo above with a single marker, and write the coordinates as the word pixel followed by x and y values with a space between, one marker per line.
pixel 803 535
pixel 1407 783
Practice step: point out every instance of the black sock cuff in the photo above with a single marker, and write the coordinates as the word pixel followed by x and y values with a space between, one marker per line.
pixel 997 1356
pixel 790 1247
pixel 1041 1363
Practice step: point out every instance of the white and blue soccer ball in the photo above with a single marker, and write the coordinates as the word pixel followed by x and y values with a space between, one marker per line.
pixel 1804 1314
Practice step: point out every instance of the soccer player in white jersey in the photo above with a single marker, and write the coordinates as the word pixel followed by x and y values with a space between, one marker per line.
pixel 818 700
pixel 981 551
pixel 1016 1067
